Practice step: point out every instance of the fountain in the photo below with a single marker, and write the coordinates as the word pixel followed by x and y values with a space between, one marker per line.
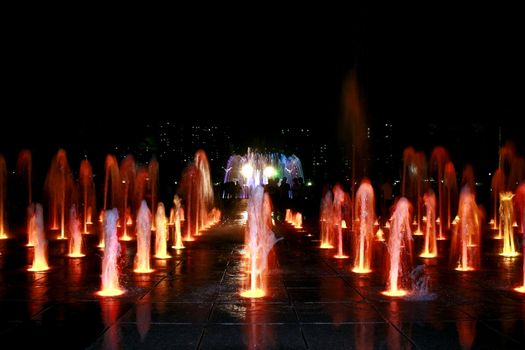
pixel 110 274
pixel 142 258
pixel 497 186
pixel 24 167
pixel 153 176
pixel 75 243
pixel 113 174
pixel 430 247
pixel 325 218
pixel 365 209
pixel 339 197
pixel 506 220
pixel 519 201
pixel 161 235
pixel 259 241
pixel 127 176
pixel 465 249
pixel 450 183
pixel 399 249
pixel 438 160
pixel 176 218
pixel 3 186
pixel 196 185
pixel 421 171
pixel 31 225
pixel 40 250
pixel 256 168
pixel 59 186
pixel 88 192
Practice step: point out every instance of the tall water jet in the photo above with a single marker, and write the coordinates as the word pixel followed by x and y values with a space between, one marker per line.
pixel 24 167
pixel 161 234
pixel 325 218
pixel 40 252
pixel 506 220
pixel 497 186
pixel 142 258
pixel 438 160
pixel 466 241
pixel 110 274
pixel 399 249
pixel 430 246
pixel 59 185
pixel 178 215
pixel 339 197
pixel 75 242
pixel 196 185
pixel 421 174
pixel 87 187
pixel 365 209
pixel 113 187
pixel 408 167
pixel 450 184
pixel 153 176
pixel 519 201
pixel 259 241
pixel 31 225
pixel 3 186
pixel 127 176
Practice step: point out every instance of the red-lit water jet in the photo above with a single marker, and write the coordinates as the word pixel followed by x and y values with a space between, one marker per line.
pixel 259 241
pixel 364 235
pixel 110 274
pixel 177 217
pixel 430 246
pixel 142 258
pixel 87 187
pixel 161 234
pixel 40 252
pixel 339 197
pixel 75 242
pixel 506 220
pixel 466 241
pixel 399 248
pixel 3 185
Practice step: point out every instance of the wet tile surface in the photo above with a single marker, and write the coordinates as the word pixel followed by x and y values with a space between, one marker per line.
pixel 312 300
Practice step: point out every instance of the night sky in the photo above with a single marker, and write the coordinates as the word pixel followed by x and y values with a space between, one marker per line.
pixel 257 71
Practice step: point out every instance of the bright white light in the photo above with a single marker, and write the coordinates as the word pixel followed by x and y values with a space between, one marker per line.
pixel 247 170
pixel 269 172
pixel 309 183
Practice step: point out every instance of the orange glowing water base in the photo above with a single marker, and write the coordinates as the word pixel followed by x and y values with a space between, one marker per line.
pixel 143 270
pixel 520 289
pixel 325 245
pixel 361 270
pixel 427 255
pixel 255 293
pixel 418 233
pixel 341 256
pixel 38 267
pixel 110 292
pixel 394 293
pixel 467 268
pixel 76 255
pixel 3 235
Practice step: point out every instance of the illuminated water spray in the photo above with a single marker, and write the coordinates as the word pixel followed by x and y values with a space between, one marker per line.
pixel 161 234
pixel 399 249
pixel 365 204
pixel 40 250
pixel 430 246
pixel 75 242
pixel 176 217
pixel 506 220
pixel 110 274
pixel 259 241
pixel 465 250
pixel 142 258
